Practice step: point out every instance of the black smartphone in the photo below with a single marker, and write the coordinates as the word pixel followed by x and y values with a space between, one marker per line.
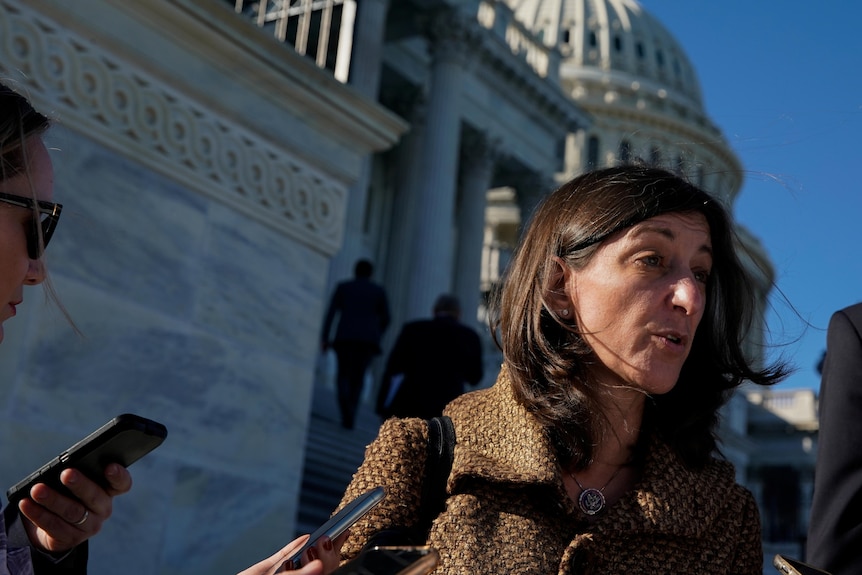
pixel 124 440
pixel 395 560
pixel 789 566
pixel 338 524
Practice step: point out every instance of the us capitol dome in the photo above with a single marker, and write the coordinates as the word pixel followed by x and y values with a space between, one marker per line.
pixel 628 72
pixel 640 89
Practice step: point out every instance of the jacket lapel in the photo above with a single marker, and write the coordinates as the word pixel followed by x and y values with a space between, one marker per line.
pixel 498 440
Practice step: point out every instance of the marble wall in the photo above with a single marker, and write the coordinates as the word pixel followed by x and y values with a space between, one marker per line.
pixel 190 315
pixel 192 255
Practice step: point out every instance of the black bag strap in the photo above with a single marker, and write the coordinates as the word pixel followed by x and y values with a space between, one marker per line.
pixel 438 466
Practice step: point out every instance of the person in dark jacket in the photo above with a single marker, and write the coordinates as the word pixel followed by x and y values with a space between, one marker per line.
pixel 430 363
pixel 363 316
pixel 835 527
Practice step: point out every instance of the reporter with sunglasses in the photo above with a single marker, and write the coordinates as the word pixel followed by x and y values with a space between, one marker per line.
pixel 46 532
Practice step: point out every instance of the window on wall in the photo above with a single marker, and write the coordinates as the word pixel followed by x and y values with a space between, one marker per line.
pixel 561 153
pixel 593 40
pixel 639 48
pixel 593 152
pixel 625 154
pixel 780 503
pixel 655 156
pixel 618 44
pixel 567 36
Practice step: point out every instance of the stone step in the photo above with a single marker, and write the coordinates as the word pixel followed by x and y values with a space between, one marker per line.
pixel 332 456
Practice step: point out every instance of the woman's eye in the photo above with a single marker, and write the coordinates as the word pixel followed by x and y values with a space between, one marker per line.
pixel 652 261
pixel 702 276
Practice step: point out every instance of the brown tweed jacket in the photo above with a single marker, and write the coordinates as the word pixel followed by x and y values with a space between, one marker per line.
pixel 508 512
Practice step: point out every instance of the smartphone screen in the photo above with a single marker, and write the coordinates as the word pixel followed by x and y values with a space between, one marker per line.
pixel 789 566
pixel 338 523
pixel 124 439
pixel 418 560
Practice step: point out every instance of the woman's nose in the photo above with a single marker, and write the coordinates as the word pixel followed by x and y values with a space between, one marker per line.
pixel 688 295
pixel 35 273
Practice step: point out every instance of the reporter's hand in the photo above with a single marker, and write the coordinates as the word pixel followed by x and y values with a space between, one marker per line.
pixel 56 523
pixel 320 559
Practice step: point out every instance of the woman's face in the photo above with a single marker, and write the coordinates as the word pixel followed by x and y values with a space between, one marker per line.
pixel 16 268
pixel 641 297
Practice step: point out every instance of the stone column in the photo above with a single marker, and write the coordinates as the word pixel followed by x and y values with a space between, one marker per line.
pixel 368 47
pixel 450 36
pixel 479 155
pixel 365 69
pixel 531 189
pixel 409 159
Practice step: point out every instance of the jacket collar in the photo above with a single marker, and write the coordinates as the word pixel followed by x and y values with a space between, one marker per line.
pixel 498 440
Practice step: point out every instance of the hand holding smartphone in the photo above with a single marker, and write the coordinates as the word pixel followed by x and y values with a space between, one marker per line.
pixel 124 439
pixel 789 566
pixel 337 524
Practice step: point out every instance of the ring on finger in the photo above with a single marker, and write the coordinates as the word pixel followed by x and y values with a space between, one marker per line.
pixel 82 519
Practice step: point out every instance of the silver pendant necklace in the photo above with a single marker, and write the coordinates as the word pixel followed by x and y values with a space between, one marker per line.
pixel 592 500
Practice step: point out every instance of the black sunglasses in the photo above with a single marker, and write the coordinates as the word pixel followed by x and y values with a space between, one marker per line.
pixel 49 215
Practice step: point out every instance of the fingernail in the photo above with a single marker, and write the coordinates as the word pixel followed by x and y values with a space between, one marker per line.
pixel 312 554
pixel 327 544
pixel 111 470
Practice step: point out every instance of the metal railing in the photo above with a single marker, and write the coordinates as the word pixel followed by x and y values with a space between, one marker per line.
pixel 319 29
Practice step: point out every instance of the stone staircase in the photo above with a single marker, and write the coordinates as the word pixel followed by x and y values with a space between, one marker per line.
pixel 332 456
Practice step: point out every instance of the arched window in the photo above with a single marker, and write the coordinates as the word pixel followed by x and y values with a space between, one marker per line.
pixel 593 152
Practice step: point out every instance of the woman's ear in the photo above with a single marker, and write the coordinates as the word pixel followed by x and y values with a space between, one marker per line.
pixel 557 293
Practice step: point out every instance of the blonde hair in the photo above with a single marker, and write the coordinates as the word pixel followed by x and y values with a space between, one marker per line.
pixel 19 122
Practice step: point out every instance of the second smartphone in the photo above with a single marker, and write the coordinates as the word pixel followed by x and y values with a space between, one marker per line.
pixel 338 524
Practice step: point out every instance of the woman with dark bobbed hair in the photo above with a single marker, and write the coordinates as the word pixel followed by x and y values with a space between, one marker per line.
pixel 621 320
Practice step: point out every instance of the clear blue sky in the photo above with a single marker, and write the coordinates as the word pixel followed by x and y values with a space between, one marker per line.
pixel 782 81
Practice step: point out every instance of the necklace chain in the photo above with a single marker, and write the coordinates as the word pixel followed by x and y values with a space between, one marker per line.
pixel 592 500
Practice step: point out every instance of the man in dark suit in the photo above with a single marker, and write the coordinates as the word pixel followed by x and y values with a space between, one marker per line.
pixel 835 528
pixel 430 363
pixel 363 311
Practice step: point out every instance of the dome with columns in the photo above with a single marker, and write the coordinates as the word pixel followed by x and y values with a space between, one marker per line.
pixel 625 69
pixel 614 38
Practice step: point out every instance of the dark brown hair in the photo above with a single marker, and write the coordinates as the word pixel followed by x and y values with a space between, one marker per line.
pixel 18 122
pixel 548 360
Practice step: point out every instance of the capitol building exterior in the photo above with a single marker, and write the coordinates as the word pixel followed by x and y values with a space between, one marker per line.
pixel 223 163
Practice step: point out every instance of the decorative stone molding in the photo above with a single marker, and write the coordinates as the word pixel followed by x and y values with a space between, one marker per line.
pixel 129 111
